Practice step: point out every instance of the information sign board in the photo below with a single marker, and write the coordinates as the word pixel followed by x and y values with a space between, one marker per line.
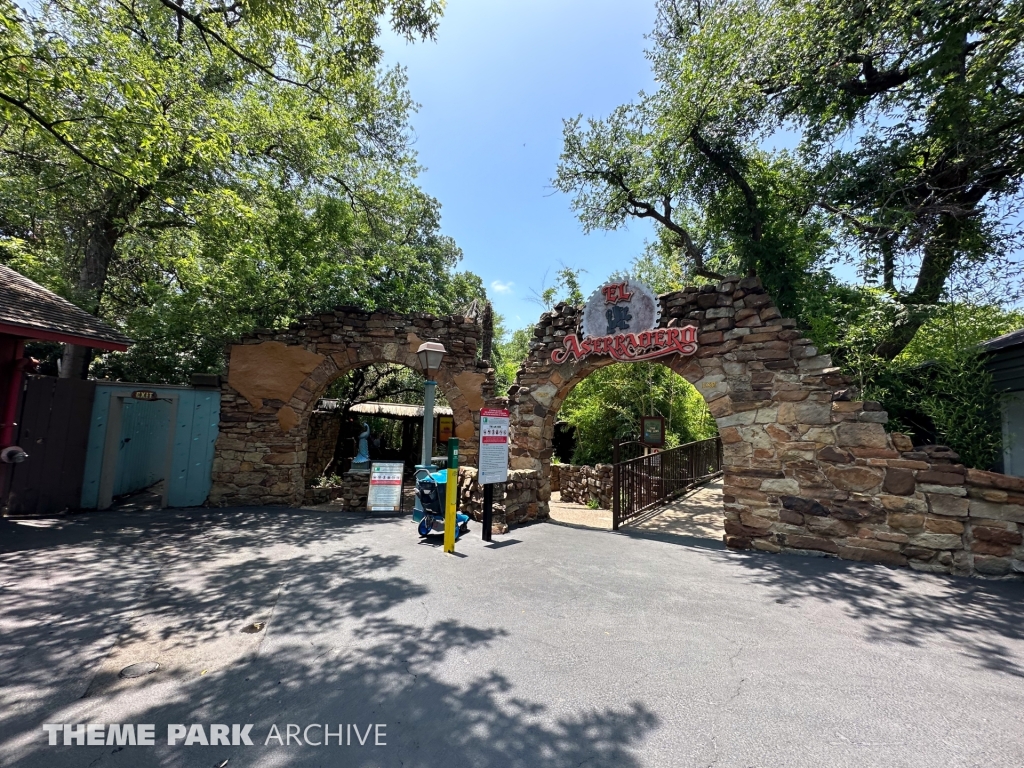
pixel 493 446
pixel 385 486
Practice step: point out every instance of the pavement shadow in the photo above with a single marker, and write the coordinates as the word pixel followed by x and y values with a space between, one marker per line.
pixel 903 606
pixel 328 652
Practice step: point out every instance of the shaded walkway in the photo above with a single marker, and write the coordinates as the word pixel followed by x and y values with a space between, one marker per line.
pixel 696 514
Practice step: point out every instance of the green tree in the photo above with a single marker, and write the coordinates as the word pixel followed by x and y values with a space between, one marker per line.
pixel 510 350
pixel 607 406
pixel 910 127
pixel 192 170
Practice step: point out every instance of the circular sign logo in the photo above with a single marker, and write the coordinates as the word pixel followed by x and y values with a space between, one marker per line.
pixel 621 320
pixel 625 307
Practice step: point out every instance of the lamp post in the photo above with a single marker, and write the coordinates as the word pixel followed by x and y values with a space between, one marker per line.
pixel 430 355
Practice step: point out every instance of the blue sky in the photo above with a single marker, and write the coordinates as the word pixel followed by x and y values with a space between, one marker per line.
pixel 493 90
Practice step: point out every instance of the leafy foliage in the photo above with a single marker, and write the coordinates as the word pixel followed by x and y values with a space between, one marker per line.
pixel 509 352
pixel 938 389
pixel 191 171
pixel 607 406
pixel 910 128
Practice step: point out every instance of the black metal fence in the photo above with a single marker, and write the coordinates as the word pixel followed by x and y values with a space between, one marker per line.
pixel 644 481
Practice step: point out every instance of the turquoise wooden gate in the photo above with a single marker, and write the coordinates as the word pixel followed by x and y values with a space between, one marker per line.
pixel 135 443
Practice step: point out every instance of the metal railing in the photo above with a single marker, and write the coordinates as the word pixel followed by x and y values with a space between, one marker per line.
pixel 645 481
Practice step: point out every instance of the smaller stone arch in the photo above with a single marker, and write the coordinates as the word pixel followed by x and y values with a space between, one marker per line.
pixel 276 378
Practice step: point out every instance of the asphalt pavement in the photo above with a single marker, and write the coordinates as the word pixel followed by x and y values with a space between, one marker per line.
pixel 553 646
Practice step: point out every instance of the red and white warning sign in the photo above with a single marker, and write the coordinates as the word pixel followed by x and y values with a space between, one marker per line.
pixel 493 446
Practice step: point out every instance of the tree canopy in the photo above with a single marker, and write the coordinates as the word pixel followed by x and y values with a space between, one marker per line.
pixel 908 121
pixel 192 170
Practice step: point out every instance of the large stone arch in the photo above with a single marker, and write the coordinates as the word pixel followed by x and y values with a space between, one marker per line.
pixel 805 465
pixel 275 379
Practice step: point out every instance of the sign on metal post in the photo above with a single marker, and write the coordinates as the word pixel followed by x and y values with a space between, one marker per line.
pixel 385 486
pixel 652 431
pixel 493 458
pixel 493 446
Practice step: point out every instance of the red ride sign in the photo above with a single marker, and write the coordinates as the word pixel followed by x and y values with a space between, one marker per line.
pixel 630 347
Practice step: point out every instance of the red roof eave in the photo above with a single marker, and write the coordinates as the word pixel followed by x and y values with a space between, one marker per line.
pixel 29 332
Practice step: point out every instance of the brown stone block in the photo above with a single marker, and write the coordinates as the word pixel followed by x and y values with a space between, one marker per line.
pixel 995 480
pixel 731 435
pixel 905 521
pixel 991 548
pixel 899 482
pixel 834 455
pixel 996 535
pixel 919 553
pixel 790 396
pixel 992 566
pixel 811 542
pixel 858 435
pixel 907 464
pixel 988 494
pixel 872 543
pixel 940 478
pixel 874 453
pixel 943 525
pixel 753 321
pixel 861 554
pixel 280 458
pixel 757 300
pixel 899 538
pixel 754 472
pixel 853 478
pixel 793 518
pixel 737 542
pixel 810 478
pixel 946 505
pixel 804 413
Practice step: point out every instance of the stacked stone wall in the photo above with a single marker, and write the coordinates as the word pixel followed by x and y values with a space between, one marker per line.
pixel 324 428
pixel 808 467
pixel 514 502
pixel 350 493
pixel 579 484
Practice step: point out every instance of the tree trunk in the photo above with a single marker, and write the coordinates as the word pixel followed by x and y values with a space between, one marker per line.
pixel 939 257
pixel 100 250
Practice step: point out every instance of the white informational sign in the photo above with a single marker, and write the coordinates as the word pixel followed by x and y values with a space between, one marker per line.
pixel 385 486
pixel 493 446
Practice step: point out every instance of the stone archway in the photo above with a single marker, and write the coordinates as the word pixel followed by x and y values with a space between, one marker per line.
pixel 275 379
pixel 805 466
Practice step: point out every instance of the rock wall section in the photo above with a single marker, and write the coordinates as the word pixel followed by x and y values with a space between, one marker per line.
pixel 579 484
pixel 260 455
pixel 351 493
pixel 514 502
pixel 322 440
pixel 807 466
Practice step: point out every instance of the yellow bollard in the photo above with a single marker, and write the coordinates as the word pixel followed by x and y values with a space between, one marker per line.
pixel 451 491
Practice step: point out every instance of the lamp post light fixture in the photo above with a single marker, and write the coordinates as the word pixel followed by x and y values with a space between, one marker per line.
pixel 430 355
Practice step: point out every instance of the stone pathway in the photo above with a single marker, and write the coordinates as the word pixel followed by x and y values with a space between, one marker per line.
pixel 698 513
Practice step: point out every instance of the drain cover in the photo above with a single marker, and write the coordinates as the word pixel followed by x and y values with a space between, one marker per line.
pixel 141 669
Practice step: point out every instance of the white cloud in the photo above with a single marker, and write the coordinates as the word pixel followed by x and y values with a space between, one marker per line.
pixel 500 287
